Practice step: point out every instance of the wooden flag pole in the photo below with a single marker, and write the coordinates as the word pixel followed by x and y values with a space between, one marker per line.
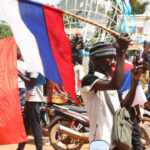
pixel 93 23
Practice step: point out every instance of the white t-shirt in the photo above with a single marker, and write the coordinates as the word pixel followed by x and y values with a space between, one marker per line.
pixel 22 68
pixel 35 94
pixel 100 117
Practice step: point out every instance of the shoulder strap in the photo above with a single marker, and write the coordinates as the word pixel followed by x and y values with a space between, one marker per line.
pixel 109 103
pixel 40 94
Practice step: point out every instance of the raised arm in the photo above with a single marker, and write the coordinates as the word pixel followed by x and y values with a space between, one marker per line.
pixel 115 83
pixel 136 74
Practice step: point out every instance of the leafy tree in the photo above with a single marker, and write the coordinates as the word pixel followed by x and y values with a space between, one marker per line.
pixel 138 7
pixel 5 30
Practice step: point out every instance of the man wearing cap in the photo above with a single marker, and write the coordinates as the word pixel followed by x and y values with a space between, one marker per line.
pixel 94 85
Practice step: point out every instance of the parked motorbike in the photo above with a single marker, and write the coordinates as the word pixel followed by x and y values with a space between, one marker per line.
pixel 69 127
pixel 44 115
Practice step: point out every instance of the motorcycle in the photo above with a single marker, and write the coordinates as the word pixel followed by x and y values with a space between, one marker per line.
pixel 44 115
pixel 69 127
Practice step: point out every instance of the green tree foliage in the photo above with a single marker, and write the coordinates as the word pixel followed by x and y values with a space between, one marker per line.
pixel 5 30
pixel 138 7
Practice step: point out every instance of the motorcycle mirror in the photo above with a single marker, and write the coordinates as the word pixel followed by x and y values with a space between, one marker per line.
pixel 99 145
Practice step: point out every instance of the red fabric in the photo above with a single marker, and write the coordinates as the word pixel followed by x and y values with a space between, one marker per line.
pixel 11 123
pixel 127 67
pixel 61 48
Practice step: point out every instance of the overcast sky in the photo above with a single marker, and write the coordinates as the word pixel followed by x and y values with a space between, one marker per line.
pixel 42 1
pixel 57 1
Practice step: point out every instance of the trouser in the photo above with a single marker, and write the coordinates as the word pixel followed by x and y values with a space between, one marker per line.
pixel 32 119
pixel 136 141
pixel 22 92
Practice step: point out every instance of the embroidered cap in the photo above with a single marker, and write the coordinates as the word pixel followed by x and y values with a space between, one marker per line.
pixel 102 49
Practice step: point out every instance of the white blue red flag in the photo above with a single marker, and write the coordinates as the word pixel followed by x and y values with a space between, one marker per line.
pixel 140 97
pixel 39 32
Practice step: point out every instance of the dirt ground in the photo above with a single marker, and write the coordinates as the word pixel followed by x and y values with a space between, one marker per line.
pixel 30 145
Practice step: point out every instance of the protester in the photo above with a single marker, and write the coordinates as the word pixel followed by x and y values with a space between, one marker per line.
pixel 141 50
pixel 140 98
pixel 94 85
pixel 22 68
pixel 77 43
pixel 135 113
pixel 145 77
pixel 32 110
pixel 78 70
pixel 146 57
pixel 127 59
pixel 136 58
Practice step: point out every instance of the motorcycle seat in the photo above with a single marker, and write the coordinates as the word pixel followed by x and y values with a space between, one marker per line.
pixel 71 107
pixel 76 108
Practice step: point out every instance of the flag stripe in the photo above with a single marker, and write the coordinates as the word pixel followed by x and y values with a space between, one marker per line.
pixel 61 47
pixel 140 97
pixel 127 66
pixel 127 80
pixel 33 16
pixel 23 36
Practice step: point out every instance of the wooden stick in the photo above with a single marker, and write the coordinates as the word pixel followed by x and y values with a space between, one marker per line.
pixel 93 23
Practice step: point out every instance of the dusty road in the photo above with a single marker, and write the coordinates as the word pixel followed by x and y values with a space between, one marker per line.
pixel 30 145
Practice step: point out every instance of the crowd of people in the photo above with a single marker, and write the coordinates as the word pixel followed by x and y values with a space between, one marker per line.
pixel 103 81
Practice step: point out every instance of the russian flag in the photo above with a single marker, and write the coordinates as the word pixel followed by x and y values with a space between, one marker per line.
pixel 39 32
pixel 140 97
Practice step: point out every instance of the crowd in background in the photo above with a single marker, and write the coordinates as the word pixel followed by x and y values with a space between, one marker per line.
pixel 106 60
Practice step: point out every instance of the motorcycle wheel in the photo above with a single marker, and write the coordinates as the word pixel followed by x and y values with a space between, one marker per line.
pixel 43 125
pixel 61 141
